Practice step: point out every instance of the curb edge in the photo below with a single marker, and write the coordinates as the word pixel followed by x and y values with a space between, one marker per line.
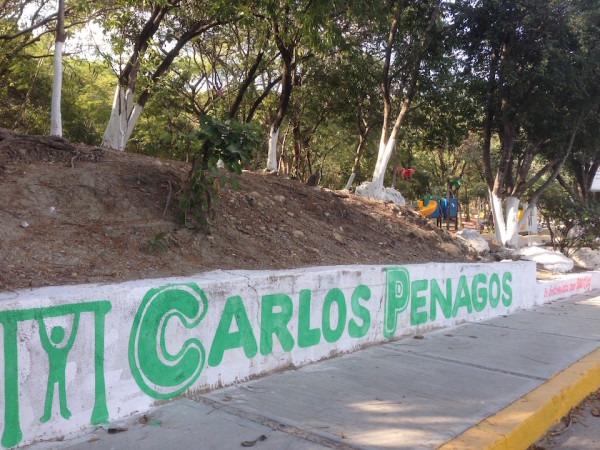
pixel 524 421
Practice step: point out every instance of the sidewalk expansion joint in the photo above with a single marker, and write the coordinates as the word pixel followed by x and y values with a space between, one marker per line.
pixel 547 333
pixel 308 434
pixel 476 366
pixel 524 421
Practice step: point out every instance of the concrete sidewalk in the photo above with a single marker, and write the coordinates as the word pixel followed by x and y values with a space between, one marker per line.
pixel 494 384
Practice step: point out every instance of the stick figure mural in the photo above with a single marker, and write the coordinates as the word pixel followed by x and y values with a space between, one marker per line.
pixel 57 351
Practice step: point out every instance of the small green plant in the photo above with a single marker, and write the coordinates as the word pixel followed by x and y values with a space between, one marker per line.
pixel 157 242
pixel 231 142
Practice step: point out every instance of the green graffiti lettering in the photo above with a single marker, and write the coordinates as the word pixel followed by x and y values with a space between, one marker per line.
pixel 100 412
pixel 225 339
pixel 494 290
pixel 12 434
pixel 57 358
pixel 275 322
pixel 336 296
pixel 418 301
pixel 361 312
pixel 158 373
pixel 507 296
pixel 479 295
pixel 438 298
pixel 307 337
pixel 397 295
pixel 463 298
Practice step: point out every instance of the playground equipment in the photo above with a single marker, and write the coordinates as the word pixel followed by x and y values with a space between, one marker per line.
pixel 440 210
pixel 428 208
pixel 530 223
pixel 448 209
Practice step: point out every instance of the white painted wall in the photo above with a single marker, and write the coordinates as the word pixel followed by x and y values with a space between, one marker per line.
pixel 190 328
pixel 567 285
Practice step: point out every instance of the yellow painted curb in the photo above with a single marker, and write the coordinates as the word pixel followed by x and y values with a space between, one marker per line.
pixel 523 422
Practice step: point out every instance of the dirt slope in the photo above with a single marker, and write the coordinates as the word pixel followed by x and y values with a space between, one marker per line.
pixel 74 214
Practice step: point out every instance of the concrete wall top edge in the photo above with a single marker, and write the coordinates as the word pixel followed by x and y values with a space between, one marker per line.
pixel 567 276
pixel 226 276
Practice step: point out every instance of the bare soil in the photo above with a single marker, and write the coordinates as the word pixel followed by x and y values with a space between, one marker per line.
pixel 579 429
pixel 71 213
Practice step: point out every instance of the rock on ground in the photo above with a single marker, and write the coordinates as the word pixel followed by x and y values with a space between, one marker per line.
pixel 547 259
pixel 587 258
pixel 474 239
pixel 386 194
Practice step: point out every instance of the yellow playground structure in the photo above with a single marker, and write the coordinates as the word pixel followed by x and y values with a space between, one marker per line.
pixel 427 209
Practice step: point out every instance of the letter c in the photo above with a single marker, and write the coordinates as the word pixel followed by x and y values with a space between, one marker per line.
pixel 157 372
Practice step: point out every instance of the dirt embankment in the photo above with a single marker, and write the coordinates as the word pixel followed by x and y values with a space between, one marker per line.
pixel 71 213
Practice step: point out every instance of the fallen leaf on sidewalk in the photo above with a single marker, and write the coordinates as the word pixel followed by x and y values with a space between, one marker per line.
pixel 595 412
pixel 262 437
pixel 146 420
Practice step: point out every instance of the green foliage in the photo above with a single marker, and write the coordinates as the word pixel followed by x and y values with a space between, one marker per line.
pixel 231 142
pixel 418 186
pixel 26 89
pixel 157 243
pixel 573 223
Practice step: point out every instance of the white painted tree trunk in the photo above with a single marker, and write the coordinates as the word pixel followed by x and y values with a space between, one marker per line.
pixel 55 116
pixel 272 157
pixel 350 181
pixel 506 226
pixel 385 152
pixel 498 216
pixel 380 152
pixel 512 229
pixel 123 117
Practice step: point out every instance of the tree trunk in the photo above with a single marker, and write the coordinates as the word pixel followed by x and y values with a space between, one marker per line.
pixel 512 222
pixel 284 163
pixel 350 181
pixel 498 217
pixel 124 115
pixel 272 155
pixel 287 56
pixel 394 168
pixel 488 122
pixel 467 203
pixel 381 164
pixel 61 37
pixel 388 143
pixel 250 77
pixel 123 118
pixel 121 123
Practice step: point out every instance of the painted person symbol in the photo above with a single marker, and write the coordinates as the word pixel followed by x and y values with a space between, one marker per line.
pixel 57 352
